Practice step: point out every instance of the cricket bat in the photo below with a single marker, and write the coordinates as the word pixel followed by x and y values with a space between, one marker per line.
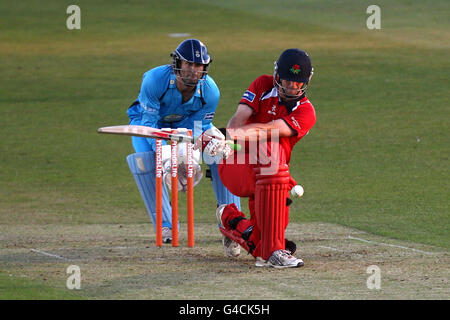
pixel 148 132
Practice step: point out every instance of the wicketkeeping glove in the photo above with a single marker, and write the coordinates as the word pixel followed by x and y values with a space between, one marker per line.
pixel 182 167
pixel 182 176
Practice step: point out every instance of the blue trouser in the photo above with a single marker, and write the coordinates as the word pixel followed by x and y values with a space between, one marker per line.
pixel 142 166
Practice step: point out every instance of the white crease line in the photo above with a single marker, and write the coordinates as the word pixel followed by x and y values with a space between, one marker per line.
pixel 390 245
pixel 331 248
pixel 48 254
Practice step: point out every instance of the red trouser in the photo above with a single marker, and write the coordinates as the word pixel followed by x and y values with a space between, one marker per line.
pixel 269 212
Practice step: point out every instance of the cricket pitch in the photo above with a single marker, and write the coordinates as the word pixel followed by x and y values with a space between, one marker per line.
pixel 121 262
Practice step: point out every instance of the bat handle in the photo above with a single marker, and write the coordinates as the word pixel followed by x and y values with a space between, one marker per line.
pixel 234 146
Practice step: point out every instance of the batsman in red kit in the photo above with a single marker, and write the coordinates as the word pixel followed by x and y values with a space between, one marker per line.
pixel 275 112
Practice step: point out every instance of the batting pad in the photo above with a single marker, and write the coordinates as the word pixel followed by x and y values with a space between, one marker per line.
pixel 271 211
pixel 142 166
pixel 223 195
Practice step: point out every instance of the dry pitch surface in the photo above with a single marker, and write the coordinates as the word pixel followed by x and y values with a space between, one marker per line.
pixel 121 262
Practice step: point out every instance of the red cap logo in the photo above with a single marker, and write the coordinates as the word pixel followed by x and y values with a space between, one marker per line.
pixel 295 69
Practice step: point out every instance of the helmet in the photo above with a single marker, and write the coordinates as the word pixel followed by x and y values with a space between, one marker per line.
pixel 293 65
pixel 190 50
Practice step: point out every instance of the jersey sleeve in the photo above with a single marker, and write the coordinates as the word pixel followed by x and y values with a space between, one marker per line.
pixel 212 97
pixel 151 90
pixel 201 119
pixel 251 96
pixel 302 119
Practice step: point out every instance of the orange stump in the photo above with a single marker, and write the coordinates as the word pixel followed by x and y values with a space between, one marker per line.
pixel 174 191
pixel 159 174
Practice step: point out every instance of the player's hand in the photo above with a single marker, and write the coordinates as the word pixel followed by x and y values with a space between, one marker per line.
pixel 213 143
pixel 182 176
pixel 182 166
pixel 218 148
pixel 213 147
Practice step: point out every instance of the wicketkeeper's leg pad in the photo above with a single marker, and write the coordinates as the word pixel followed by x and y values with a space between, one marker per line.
pixel 142 166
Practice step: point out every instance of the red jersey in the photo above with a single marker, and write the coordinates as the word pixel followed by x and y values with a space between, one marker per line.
pixel 262 97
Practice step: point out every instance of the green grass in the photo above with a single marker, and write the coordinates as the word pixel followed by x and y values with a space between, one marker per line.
pixel 377 159
pixel 15 288
pixel 120 261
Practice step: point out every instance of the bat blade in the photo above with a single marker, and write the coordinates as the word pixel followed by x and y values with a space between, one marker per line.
pixel 146 132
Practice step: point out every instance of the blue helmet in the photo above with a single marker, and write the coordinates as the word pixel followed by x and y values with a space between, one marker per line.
pixel 191 50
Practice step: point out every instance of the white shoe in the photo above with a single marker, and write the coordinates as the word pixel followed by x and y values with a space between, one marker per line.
pixel 260 262
pixel 166 235
pixel 280 259
pixel 232 249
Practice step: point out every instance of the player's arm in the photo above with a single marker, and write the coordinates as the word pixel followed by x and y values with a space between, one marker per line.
pixel 278 126
pixel 240 117
pixel 149 97
pixel 255 131
pixel 205 114
pixel 152 87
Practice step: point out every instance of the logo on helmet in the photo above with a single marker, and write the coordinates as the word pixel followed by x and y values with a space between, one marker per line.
pixel 295 69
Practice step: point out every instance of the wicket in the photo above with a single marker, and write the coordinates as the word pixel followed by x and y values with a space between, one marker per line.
pixel 175 136
pixel 174 191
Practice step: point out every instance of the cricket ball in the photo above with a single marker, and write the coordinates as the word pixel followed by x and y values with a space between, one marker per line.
pixel 297 191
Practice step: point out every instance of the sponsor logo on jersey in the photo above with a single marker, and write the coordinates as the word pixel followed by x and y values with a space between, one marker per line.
pixel 295 122
pixel 273 111
pixel 249 96
pixel 209 116
pixel 147 108
pixel 173 117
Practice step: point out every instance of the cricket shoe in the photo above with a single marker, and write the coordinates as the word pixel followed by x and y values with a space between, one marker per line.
pixel 232 249
pixel 280 259
pixel 166 235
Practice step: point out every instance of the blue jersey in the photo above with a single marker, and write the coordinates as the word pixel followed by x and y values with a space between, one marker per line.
pixel 160 105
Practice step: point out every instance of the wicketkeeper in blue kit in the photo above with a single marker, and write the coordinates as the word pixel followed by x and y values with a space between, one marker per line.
pixel 177 95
